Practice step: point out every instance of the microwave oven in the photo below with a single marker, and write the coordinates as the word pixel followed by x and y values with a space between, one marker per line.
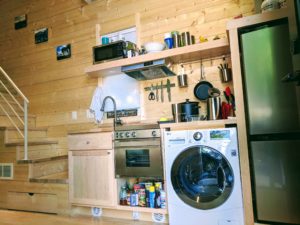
pixel 112 51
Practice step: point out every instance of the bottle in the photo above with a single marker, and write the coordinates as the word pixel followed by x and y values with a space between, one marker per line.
pixel 152 196
pixel 147 198
pixel 162 199
pixel 157 199
pixel 142 197
pixel 128 197
pixel 123 196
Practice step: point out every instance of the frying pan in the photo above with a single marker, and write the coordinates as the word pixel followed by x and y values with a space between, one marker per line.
pixel 201 89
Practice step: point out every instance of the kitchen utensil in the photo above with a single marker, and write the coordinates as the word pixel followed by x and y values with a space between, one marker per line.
pixel 192 40
pixel 225 74
pixel 168 40
pixel 104 40
pixel 176 111
pixel 226 97
pixel 188 110
pixel 182 80
pixel 226 108
pixel 161 91
pixel 176 39
pixel 228 91
pixel 213 108
pixel 151 95
pixel 213 92
pixel 185 38
pixel 156 92
pixel 232 101
pixel 201 89
pixel 169 89
pixel 153 47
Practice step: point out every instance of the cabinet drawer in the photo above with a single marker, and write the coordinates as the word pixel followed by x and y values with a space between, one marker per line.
pixel 27 201
pixel 90 141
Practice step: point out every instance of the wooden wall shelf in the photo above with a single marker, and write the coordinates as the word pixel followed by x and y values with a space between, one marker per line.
pixel 194 52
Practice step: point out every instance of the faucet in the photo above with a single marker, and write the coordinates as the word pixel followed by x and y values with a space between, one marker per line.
pixel 116 119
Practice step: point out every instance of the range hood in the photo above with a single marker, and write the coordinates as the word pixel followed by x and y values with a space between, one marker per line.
pixel 149 70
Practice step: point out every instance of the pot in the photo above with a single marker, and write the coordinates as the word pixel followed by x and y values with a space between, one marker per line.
pixel 188 110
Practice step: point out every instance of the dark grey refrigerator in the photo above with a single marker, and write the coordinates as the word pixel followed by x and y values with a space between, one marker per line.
pixel 272 123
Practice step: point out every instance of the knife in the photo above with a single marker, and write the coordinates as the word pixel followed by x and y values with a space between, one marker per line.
pixel 157 98
pixel 169 89
pixel 161 91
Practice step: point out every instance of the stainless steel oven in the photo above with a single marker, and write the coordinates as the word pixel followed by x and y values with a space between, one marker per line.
pixel 138 152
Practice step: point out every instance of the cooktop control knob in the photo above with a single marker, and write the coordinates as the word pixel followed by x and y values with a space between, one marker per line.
pixel 133 134
pixel 197 136
pixel 127 134
pixel 154 133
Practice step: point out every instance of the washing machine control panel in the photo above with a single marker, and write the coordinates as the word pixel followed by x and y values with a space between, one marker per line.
pixel 197 136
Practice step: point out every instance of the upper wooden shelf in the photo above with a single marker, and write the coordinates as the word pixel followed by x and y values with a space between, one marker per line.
pixel 204 50
pixel 258 18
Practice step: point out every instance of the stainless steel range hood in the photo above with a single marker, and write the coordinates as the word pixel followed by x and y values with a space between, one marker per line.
pixel 149 70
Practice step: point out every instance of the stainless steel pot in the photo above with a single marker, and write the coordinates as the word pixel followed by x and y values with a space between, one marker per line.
pixel 188 110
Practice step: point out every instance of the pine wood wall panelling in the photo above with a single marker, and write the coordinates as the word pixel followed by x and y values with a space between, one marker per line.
pixel 154 109
pixel 58 85
pixel 48 54
pixel 74 22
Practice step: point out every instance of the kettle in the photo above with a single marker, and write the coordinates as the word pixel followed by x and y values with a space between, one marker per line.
pixel 213 104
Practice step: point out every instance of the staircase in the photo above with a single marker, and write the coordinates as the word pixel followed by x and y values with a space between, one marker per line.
pixel 34 169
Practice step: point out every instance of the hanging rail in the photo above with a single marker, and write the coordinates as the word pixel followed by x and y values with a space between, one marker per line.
pixel 23 108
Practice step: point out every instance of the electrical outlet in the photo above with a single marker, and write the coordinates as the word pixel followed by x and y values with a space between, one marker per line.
pixel 135 215
pixel 74 115
pixel 96 212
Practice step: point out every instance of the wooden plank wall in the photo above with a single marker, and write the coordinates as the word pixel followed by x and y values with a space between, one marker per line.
pixel 55 88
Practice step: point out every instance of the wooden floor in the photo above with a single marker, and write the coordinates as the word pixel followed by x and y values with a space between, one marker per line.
pixel 8 217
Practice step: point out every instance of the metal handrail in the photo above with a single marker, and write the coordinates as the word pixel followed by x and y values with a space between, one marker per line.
pixel 23 108
pixel 14 86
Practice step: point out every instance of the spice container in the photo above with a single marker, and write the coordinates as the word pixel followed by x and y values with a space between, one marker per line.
pixel 185 38
pixel 168 40
pixel 176 39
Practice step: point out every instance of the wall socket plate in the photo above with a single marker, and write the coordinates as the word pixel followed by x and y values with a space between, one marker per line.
pixel 74 115
pixel 89 114
pixel 135 215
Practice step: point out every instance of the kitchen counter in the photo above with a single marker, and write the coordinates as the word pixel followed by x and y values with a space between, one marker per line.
pixel 203 124
pixel 107 127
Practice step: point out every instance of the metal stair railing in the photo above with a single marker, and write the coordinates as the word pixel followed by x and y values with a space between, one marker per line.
pixel 13 91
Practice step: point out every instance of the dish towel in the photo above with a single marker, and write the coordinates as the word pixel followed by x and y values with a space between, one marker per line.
pixel 96 104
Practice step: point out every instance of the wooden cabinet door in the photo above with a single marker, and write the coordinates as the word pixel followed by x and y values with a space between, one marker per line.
pixel 92 181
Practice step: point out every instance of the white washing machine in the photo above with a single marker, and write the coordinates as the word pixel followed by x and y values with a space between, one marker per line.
pixel 203 177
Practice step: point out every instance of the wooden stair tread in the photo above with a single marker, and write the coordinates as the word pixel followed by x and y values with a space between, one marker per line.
pixel 28 115
pixel 58 178
pixel 23 161
pixel 29 128
pixel 31 143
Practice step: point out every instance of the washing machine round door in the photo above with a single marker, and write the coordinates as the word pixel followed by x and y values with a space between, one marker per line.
pixel 202 177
